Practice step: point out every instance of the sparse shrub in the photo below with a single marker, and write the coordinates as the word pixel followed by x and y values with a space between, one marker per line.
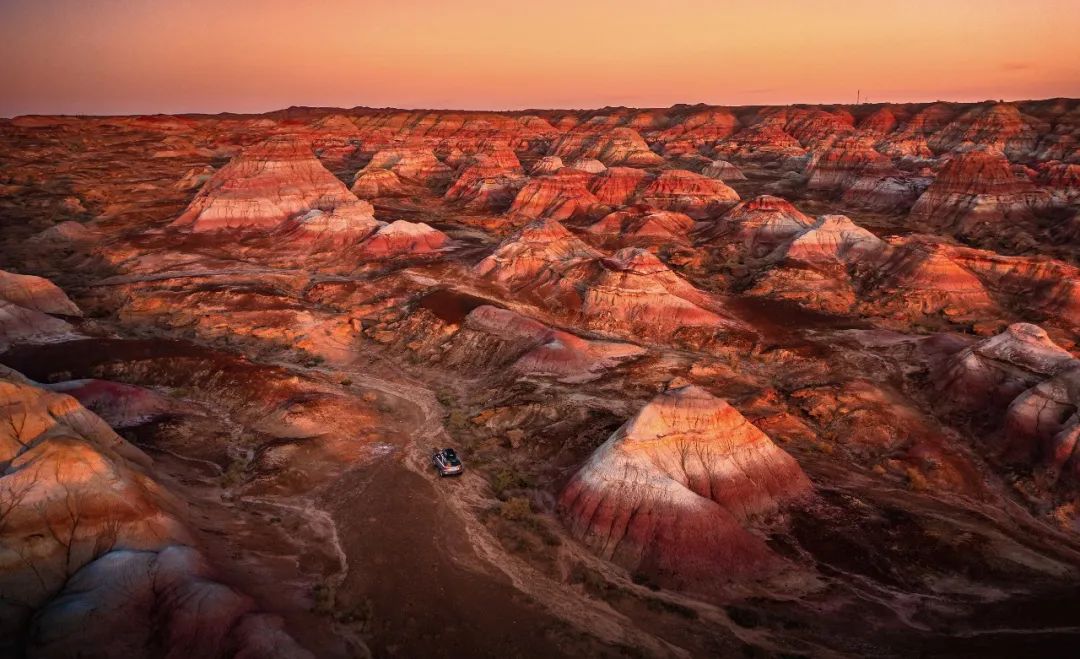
pixel 236 472
pixel 323 597
pixel 458 418
pixel 515 509
pixel 506 479
pixel 346 382
pixel 593 581
pixel 916 480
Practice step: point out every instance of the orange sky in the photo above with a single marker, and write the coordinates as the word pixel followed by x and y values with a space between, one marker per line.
pixel 129 56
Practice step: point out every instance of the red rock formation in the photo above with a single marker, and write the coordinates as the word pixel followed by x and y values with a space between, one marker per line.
pixel 922 278
pixel 588 165
pixel 1063 142
pixel 814 127
pixel 618 185
pixel 1023 378
pixel 327 230
pixel 416 165
pixel 657 225
pixel 87 545
pixel 36 293
pixel 495 152
pixel 546 165
pixel 21 325
pixel 814 268
pixel 194 178
pixel 559 196
pixel 1001 127
pixel 453 134
pixel 699 129
pixel 120 405
pixel 881 122
pixel 833 238
pixel 630 294
pixel 910 141
pixel 620 146
pixel 404 238
pixel 335 140
pixel 1063 179
pixel 1042 425
pixel 764 142
pixel 551 353
pixel 974 193
pixel 378 183
pixel 686 192
pixel 886 193
pixel 987 376
pixel 266 185
pixel 539 255
pixel 845 162
pixel 761 224
pixel 635 294
pixel 1039 285
pixel 723 170
pixel 486 184
pixel 670 493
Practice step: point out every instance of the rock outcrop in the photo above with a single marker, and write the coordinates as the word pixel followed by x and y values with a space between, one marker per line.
pixel 760 224
pixel 976 192
pixel 486 183
pixel 815 268
pixel 686 192
pixel 921 279
pixel 1042 425
pixel 546 165
pixel 118 404
pixel 696 130
pixel 415 165
pixel 723 170
pixel 909 142
pixel 328 230
pixel 559 196
pixel 401 238
pixel 91 550
pixel 833 238
pixel 538 256
pixel 671 493
pixel 550 353
pixel 987 376
pixel 662 226
pixel 635 294
pixel 618 186
pixel 620 146
pixel 1023 386
pixel 378 183
pixel 588 165
pixel 1001 127
pixel 37 294
pixel 845 162
pixel 266 185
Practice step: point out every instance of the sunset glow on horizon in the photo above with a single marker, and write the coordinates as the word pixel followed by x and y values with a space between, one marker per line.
pixel 122 57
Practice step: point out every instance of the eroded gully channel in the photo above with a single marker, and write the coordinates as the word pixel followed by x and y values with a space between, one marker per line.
pixel 403 550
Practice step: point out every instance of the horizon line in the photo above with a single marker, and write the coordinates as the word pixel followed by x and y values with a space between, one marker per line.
pixel 523 109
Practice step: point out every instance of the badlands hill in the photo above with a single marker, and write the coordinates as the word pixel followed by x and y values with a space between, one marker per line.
pixel 753 381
